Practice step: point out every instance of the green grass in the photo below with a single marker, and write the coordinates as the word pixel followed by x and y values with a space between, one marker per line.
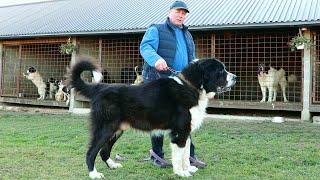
pixel 44 146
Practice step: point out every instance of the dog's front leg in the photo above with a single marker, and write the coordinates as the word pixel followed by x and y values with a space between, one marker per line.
pixel 264 92
pixel 42 94
pixel 178 160
pixel 270 93
pixel 283 89
pixel 275 93
pixel 186 158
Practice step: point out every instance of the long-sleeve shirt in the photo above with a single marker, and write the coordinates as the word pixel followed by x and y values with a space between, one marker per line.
pixel 149 46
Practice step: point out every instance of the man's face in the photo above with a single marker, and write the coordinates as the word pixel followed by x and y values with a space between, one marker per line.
pixel 177 16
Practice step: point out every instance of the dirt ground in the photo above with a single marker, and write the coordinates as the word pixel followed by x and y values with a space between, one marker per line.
pixel 32 109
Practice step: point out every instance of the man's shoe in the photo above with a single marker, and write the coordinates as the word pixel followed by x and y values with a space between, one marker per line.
pixel 194 161
pixel 157 160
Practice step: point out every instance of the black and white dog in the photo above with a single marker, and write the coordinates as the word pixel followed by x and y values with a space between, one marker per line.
pixel 63 93
pixel 176 104
pixel 52 87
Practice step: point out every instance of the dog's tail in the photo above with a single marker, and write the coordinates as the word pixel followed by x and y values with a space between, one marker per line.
pixel 292 78
pixel 74 76
pixel 136 70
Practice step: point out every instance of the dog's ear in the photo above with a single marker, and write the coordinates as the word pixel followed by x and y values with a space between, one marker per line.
pixel 261 67
pixel 32 69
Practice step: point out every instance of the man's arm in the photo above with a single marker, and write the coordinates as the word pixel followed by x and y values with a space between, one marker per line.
pixel 149 46
pixel 148 49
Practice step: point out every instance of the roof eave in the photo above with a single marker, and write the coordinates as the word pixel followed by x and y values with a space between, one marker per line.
pixel 257 26
pixel 193 28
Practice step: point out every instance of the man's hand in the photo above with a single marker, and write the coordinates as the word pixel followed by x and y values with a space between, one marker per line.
pixel 161 65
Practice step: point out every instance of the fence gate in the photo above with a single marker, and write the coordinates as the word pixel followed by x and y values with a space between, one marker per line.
pixel 10 71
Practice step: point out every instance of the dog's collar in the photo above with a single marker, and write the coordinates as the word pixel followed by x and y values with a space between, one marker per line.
pixel 181 76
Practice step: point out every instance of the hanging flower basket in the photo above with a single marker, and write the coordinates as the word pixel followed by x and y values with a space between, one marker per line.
pixel 299 42
pixel 299 47
pixel 68 48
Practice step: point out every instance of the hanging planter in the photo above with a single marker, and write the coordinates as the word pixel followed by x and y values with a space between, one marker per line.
pixel 301 46
pixel 68 48
pixel 299 42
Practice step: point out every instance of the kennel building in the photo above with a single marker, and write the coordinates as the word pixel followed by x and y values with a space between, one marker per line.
pixel 243 35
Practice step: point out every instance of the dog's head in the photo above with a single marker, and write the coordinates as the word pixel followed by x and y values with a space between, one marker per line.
pixel 31 69
pixel 211 75
pixel 52 80
pixel 60 84
pixel 264 69
pixel 261 68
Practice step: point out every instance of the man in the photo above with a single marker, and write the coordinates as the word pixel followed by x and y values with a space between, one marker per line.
pixel 167 48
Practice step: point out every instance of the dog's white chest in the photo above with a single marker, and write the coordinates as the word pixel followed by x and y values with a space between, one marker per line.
pixel 198 112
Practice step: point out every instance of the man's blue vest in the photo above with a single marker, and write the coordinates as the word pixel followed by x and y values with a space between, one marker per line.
pixel 167 49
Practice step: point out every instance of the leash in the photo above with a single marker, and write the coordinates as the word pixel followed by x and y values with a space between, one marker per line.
pixel 178 74
pixel 174 72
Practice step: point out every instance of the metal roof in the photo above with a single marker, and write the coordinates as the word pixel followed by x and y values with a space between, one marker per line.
pixel 77 17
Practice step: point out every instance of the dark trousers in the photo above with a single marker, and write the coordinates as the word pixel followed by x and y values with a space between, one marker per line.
pixel 157 144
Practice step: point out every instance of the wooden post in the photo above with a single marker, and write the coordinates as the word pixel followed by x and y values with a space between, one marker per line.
pixel 307 80
pixel 1 64
pixel 72 101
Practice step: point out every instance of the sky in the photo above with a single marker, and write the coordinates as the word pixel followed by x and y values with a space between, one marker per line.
pixel 12 2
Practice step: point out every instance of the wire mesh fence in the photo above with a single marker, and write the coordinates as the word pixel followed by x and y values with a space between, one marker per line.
pixel 243 53
pixel 316 70
pixel 31 69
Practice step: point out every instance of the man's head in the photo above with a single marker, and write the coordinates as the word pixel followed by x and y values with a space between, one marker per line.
pixel 178 13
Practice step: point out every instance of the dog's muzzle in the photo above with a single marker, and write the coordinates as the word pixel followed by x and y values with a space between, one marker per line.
pixel 232 79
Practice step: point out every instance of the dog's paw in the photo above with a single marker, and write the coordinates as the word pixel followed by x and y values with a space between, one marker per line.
pixel 192 169
pixel 96 175
pixel 183 173
pixel 113 165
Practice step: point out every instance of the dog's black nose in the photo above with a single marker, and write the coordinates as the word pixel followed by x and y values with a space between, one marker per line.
pixel 234 78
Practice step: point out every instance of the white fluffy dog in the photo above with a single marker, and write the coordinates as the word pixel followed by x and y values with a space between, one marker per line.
pixel 271 79
pixel 36 79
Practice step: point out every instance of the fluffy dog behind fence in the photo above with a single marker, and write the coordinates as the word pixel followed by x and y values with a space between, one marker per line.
pixel 52 86
pixel 271 79
pixel 35 77
pixel 63 93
